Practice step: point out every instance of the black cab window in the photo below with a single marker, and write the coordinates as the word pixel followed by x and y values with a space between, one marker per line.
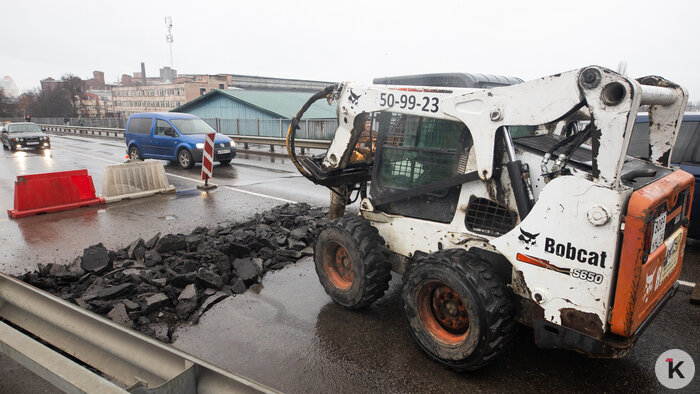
pixel 140 125
pixel 417 151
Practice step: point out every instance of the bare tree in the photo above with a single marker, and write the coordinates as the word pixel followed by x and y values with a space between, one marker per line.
pixel 50 103
pixel 7 106
pixel 73 87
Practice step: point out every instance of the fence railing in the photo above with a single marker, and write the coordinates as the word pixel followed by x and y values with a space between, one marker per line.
pixel 272 141
pixel 314 129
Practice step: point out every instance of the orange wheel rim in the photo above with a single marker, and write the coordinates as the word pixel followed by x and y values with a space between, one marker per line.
pixel 443 313
pixel 338 266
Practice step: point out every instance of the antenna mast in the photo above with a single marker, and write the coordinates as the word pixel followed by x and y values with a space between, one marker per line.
pixel 169 38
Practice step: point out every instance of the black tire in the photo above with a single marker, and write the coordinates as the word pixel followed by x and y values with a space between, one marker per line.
pixel 224 162
pixel 184 159
pixel 459 311
pixel 352 262
pixel 135 153
pixel 4 147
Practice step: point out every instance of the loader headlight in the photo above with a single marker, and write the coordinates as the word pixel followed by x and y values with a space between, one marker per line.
pixel 200 145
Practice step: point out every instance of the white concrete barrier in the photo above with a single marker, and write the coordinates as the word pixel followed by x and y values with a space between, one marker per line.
pixel 134 179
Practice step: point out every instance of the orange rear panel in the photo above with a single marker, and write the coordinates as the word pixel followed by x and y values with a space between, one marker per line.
pixel 644 278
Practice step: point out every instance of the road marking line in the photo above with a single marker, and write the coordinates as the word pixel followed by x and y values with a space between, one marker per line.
pixel 195 180
pixel 83 154
pixel 684 283
pixel 260 195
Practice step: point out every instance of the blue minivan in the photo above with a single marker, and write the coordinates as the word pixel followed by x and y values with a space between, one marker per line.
pixel 174 136
pixel 686 155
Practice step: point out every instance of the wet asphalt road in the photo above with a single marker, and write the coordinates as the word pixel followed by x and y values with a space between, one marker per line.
pixel 252 184
pixel 287 333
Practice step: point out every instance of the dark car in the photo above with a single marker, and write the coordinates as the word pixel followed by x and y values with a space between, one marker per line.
pixel 24 135
pixel 686 155
pixel 174 136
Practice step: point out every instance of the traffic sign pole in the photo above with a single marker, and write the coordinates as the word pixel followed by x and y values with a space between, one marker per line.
pixel 208 162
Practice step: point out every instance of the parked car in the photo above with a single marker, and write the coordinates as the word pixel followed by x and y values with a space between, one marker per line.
pixel 174 136
pixel 686 155
pixel 23 135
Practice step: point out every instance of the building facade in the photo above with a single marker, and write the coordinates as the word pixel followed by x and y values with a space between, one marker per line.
pixel 140 93
pixel 128 100
pixel 249 82
pixel 49 84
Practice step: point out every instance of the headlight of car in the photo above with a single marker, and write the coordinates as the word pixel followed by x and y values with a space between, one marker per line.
pixel 21 139
pixel 200 145
pixel 232 144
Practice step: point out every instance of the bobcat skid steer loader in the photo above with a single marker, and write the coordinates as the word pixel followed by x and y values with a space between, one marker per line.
pixel 506 204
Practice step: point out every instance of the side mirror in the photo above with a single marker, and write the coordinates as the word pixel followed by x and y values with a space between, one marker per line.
pixel 170 132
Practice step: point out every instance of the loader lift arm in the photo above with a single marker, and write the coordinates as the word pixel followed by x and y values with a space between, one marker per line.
pixel 485 111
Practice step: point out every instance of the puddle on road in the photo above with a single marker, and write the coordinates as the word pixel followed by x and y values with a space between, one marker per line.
pixel 220 171
pixel 187 193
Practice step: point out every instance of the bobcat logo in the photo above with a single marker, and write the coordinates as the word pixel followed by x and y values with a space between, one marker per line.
pixel 354 98
pixel 528 238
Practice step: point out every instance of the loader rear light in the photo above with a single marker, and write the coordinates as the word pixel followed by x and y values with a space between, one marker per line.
pixel 647 238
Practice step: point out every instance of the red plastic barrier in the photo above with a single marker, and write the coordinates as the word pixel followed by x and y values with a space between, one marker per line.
pixel 53 192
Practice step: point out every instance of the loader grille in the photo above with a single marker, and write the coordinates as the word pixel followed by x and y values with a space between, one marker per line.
pixel 488 217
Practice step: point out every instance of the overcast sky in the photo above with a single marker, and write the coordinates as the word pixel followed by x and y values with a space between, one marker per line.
pixel 349 40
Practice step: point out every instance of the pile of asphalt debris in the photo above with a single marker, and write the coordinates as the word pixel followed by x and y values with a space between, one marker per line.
pixel 154 286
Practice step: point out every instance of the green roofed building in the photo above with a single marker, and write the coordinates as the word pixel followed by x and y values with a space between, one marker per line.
pixel 264 113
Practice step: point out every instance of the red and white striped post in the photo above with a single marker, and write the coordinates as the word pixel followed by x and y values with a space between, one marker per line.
pixel 208 161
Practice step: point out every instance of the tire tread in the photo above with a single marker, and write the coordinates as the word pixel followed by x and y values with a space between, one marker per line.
pixel 374 256
pixel 492 290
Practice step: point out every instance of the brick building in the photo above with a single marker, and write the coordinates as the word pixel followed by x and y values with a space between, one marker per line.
pixel 162 97
pixel 97 82
pixel 141 93
pixel 49 84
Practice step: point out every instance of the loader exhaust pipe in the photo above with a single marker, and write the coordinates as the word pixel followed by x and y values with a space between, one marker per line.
pixel 657 95
pixel 614 92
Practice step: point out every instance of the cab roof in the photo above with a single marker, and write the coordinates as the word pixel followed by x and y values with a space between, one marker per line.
pixel 687 117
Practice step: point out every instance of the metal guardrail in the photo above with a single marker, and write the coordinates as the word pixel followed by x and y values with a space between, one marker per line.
pixel 241 139
pixel 83 130
pixel 134 362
